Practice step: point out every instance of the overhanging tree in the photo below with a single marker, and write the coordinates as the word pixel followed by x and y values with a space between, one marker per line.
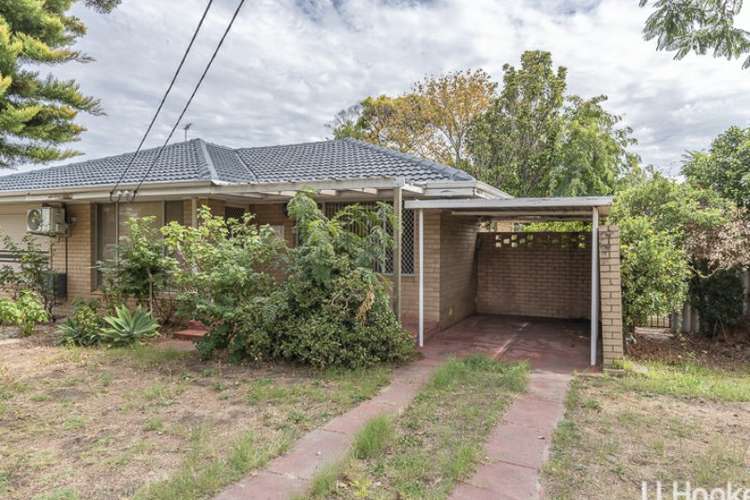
pixel 37 112
pixel 699 26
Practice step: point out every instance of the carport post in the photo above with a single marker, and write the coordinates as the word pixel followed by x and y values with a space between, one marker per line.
pixel 421 277
pixel 398 212
pixel 594 284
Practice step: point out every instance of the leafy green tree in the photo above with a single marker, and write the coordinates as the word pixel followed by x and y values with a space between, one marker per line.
pixel 535 141
pixel 514 144
pixel 37 113
pixel 593 155
pixel 725 167
pixel 699 26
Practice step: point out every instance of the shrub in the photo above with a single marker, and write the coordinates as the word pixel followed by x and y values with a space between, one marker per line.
pixel 224 277
pixel 26 312
pixel 126 327
pixel 32 274
pixel 332 309
pixel 83 327
pixel 142 269
pixel 655 271
pixel 8 312
pixel 31 311
pixel 718 298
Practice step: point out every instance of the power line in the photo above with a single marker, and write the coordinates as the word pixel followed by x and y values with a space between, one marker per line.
pixel 190 99
pixel 163 99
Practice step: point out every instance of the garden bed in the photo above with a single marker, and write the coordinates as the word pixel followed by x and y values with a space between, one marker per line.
pixel 150 422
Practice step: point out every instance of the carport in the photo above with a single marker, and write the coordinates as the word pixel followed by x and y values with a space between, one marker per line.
pixel 582 268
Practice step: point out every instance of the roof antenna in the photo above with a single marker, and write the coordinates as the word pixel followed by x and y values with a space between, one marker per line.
pixel 187 127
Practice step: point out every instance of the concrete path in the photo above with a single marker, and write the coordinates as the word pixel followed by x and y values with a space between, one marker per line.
pixel 291 474
pixel 517 447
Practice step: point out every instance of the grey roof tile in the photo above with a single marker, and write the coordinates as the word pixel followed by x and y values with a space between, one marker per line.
pixel 196 160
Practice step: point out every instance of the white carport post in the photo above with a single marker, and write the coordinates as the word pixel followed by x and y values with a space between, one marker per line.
pixel 594 284
pixel 421 277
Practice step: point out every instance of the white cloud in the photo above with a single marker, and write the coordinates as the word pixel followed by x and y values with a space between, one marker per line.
pixel 290 65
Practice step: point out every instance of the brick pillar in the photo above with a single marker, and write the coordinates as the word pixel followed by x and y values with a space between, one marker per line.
pixel 610 294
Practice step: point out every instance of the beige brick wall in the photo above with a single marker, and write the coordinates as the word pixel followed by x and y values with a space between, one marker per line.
pixel 410 284
pixel 274 215
pixel 81 251
pixel 610 295
pixel 544 280
pixel 458 283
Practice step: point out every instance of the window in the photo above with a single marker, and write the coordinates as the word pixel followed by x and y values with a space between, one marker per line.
pixel 174 211
pixel 234 213
pixel 111 225
pixel 407 236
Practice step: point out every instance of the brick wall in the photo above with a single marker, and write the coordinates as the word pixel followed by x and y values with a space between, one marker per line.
pixel 410 284
pixel 273 215
pixel 458 284
pixel 610 295
pixel 541 279
pixel 81 251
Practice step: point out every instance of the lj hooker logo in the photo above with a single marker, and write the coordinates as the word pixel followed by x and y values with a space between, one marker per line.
pixel 683 490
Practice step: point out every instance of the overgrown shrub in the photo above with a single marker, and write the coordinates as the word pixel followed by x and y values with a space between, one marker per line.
pixel 32 274
pixel 8 312
pixel 128 327
pixel 655 271
pixel 331 309
pixel 83 326
pixel 718 298
pixel 141 271
pixel 26 312
pixel 224 277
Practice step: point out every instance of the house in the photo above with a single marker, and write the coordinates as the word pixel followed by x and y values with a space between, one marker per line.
pixel 444 266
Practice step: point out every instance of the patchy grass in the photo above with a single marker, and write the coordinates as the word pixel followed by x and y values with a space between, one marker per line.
pixel 373 438
pixel 153 423
pixel 687 380
pixel 658 422
pixel 437 441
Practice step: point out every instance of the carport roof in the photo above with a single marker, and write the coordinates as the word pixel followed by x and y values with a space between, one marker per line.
pixel 580 207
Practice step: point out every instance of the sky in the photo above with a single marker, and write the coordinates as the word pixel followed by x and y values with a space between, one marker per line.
pixel 288 66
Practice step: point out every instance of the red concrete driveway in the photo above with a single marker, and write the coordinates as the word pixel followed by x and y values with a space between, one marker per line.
pixel 559 346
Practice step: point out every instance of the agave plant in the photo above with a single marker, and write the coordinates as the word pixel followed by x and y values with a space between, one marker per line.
pixel 126 327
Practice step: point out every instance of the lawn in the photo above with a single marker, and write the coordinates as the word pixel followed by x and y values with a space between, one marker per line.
pixel 152 423
pixel 658 422
pixel 437 441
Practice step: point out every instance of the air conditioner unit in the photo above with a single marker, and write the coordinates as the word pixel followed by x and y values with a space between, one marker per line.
pixel 49 221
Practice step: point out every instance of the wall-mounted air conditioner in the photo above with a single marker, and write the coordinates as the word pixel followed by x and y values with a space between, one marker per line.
pixel 49 221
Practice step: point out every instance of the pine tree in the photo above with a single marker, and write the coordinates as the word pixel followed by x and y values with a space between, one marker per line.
pixel 37 112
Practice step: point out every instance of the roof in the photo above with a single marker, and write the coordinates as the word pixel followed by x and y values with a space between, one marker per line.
pixel 528 209
pixel 197 160
pixel 526 204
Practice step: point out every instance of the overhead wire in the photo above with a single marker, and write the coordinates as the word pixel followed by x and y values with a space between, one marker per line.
pixel 190 99
pixel 163 100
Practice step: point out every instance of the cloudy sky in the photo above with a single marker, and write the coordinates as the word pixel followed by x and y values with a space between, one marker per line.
pixel 289 65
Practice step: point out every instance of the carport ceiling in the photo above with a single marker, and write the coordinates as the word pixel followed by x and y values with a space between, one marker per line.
pixel 521 209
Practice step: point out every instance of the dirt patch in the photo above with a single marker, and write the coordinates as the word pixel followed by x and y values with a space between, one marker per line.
pixel 614 439
pixel 105 423
pixel 730 352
